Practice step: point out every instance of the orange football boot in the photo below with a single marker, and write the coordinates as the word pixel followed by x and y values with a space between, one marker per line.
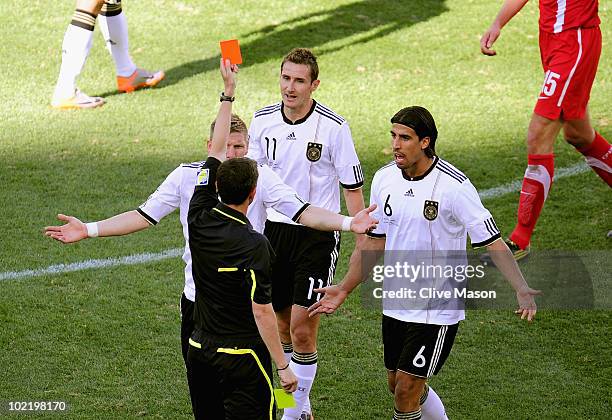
pixel 139 79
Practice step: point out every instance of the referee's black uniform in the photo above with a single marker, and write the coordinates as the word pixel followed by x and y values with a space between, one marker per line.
pixel 229 365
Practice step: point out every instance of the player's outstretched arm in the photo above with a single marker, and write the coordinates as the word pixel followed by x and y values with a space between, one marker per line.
pixel 507 12
pixel 224 116
pixel 74 230
pixel 354 201
pixel 505 262
pixel 268 330
pixel 358 271
pixel 322 219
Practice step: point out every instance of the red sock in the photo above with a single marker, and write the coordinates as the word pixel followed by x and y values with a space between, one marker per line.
pixel 599 157
pixel 536 184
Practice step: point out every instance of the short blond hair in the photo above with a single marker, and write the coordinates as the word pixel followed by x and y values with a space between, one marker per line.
pixel 236 126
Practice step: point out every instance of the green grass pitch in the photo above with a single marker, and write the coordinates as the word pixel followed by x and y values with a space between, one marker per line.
pixel 106 341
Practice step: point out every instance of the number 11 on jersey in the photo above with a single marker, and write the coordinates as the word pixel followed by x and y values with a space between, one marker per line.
pixel 310 290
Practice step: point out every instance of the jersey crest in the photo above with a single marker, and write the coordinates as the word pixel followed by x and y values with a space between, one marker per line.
pixel 313 152
pixel 430 210
pixel 202 177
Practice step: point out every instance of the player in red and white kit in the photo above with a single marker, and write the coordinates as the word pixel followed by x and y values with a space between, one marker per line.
pixel 570 46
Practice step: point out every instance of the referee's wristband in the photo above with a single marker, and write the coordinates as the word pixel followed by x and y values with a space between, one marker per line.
pixel 346 224
pixel 92 229
pixel 278 370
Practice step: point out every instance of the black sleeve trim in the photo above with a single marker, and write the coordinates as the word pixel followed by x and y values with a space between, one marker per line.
pixel 487 242
pixel 376 235
pixel 353 186
pixel 147 217
pixel 297 215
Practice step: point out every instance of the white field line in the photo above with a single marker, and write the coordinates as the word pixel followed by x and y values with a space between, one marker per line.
pixel 495 192
pixel 86 265
pixel 515 186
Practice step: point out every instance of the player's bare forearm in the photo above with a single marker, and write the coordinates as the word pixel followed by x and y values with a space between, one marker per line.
pixel 74 230
pixel 122 224
pixel 359 268
pixel 354 201
pixel 503 259
pixel 508 10
pixel 505 262
pixel 325 220
pixel 268 330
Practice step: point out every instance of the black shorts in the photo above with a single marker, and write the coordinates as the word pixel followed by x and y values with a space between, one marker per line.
pixel 187 324
pixel 305 260
pixel 230 381
pixel 417 349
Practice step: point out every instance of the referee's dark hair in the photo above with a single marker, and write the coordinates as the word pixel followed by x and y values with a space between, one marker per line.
pixel 423 124
pixel 236 178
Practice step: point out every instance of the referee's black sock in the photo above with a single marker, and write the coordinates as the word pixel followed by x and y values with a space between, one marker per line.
pixel 406 415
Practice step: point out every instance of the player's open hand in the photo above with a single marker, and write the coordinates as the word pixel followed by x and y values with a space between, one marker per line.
pixel 288 380
pixel 527 306
pixel 73 231
pixel 363 222
pixel 488 39
pixel 228 73
pixel 333 297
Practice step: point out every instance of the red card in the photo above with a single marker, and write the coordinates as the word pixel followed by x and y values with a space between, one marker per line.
pixel 231 49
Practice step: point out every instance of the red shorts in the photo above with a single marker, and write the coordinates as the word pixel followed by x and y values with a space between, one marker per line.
pixel 570 61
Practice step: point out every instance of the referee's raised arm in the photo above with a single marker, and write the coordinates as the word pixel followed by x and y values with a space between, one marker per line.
pixel 224 116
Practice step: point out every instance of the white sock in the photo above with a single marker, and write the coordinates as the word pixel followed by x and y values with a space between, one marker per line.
pixel 305 374
pixel 115 32
pixel 75 49
pixel 432 408
pixel 288 351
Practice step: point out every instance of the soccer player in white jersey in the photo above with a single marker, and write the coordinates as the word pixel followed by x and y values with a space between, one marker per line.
pixel 176 192
pixel 424 204
pixel 78 40
pixel 310 147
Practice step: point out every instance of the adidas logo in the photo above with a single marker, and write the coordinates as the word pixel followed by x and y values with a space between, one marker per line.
pixel 409 193
pixel 291 136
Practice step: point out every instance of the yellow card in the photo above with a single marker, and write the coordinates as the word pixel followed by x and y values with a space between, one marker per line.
pixel 283 399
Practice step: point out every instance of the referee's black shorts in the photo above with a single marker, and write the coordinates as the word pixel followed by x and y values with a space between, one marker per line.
pixel 305 260
pixel 417 349
pixel 230 380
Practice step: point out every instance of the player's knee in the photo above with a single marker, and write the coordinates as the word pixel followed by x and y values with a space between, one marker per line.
pixel 391 385
pixel 92 6
pixel 576 137
pixel 534 141
pixel 408 388
pixel 303 338
pixel 283 325
pixel 541 134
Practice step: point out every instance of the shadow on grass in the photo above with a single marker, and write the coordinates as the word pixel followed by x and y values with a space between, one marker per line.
pixel 368 19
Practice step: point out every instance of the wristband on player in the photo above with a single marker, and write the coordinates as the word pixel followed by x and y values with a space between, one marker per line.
pixel 346 223
pixel 92 229
pixel 278 370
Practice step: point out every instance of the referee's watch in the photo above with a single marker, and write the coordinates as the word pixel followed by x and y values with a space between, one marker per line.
pixel 224 97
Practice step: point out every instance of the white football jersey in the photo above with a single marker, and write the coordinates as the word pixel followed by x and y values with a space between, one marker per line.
pixel 176 192
pixel 314 155
pixel 430 216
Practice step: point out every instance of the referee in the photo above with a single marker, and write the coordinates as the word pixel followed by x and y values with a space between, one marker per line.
pixel 426 207
pixel 235 335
